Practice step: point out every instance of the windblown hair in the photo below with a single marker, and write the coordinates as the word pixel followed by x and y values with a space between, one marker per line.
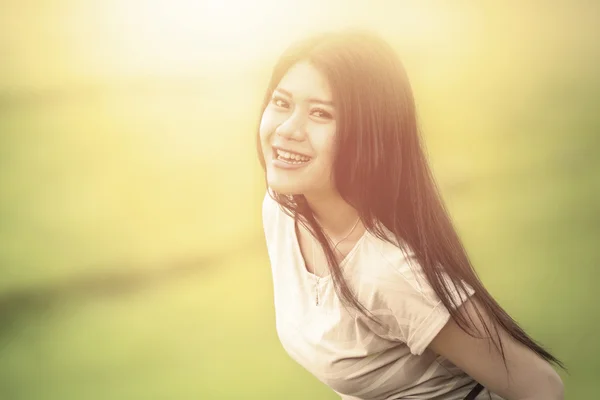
pixel 380 168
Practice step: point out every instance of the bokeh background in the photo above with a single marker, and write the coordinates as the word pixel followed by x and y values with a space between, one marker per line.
pixel 132 259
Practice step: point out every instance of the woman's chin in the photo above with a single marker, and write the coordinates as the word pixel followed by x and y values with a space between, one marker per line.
pixel 284 188
pixel 284 191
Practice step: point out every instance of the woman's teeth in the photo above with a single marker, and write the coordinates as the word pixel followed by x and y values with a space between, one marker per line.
pixel 291 158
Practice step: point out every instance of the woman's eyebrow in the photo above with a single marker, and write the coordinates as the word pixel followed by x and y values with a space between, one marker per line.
pixel 311 99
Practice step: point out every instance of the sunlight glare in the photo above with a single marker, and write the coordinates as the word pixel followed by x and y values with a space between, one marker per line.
pixel 188 33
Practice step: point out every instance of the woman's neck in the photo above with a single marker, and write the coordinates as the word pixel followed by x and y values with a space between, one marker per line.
pixel 334 215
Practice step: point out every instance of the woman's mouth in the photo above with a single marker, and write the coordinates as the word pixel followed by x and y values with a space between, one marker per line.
pixel 289 160
pixel 290 157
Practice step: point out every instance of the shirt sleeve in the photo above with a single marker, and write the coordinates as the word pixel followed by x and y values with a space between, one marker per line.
pixel 417 314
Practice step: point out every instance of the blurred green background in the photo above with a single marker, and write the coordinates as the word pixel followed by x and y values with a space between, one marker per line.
pixel 131 252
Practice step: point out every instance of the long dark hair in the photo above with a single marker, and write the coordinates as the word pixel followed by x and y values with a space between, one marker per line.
pixel 380 168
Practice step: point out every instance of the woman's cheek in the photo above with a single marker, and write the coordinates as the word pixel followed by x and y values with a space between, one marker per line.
pixel 269 123
pixel 264 126
pixel 324 141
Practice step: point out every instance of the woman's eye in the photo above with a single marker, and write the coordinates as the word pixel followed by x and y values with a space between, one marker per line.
pixel 322 114
pixel 279 102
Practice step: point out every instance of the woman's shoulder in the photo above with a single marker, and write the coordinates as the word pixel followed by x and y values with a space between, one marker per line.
pixel 270 207
pixel 399 271
pixel 382 264
pixel 275 221
pixel 395 268
pixel 392 256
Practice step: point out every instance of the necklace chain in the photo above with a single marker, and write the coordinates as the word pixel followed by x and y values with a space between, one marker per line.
pixel 318 278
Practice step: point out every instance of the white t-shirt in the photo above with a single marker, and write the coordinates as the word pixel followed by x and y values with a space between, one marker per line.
pixel 342 348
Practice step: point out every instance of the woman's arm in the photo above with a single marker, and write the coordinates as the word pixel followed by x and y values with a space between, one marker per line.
pixel 527 376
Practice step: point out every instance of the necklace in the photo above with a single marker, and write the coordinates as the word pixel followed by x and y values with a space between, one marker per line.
pixel 317 277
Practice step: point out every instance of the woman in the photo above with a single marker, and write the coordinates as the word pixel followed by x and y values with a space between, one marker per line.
pixel 374 292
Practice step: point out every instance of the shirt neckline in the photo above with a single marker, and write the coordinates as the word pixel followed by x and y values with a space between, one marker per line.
pixel 343 263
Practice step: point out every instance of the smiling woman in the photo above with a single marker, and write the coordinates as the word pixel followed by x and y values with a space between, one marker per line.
pixel 374 292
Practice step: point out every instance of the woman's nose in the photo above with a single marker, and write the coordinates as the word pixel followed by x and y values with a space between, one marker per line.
pixel 292 128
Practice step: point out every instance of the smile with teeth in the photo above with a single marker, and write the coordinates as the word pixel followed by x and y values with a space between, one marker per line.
pixel 291 158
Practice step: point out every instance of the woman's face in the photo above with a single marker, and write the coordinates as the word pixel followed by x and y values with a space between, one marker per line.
pixel 297 133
